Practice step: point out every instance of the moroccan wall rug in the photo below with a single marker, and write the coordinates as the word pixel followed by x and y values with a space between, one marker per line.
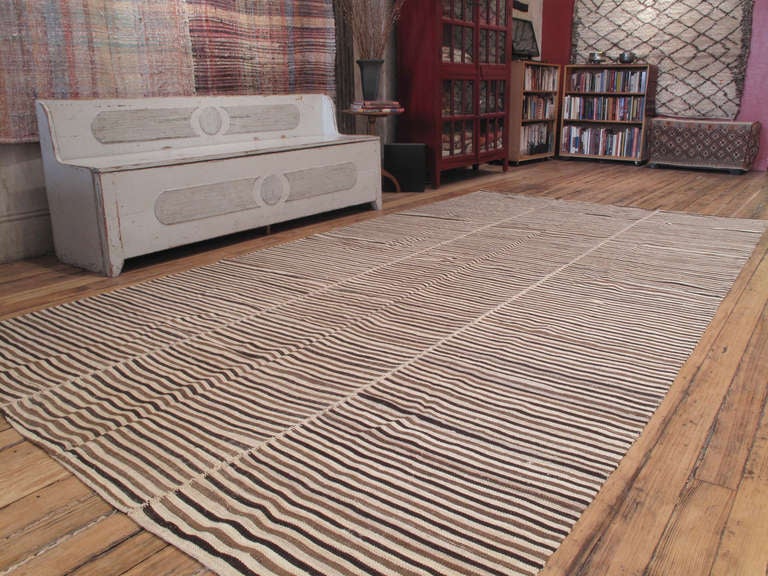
pixel 88 49
pixel 700 47
pixel 439 391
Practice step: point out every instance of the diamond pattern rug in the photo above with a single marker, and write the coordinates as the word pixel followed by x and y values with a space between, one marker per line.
pixel 700 47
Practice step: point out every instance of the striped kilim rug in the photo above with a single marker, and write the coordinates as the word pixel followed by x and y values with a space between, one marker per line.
pixel 439 391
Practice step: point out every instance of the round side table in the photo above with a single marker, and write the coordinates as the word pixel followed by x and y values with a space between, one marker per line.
pixel 373 115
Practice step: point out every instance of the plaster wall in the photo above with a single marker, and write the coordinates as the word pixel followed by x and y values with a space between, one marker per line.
pixel 25 227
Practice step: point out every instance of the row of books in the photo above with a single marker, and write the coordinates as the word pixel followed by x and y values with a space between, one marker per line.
pixel 601 141
pixel 606 108
pixel 540 79
pixel 535 139
pixel 376 106
pixel 609 80
pixel 539 107
pixel 458 143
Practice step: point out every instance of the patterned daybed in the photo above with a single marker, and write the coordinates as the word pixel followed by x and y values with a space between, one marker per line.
pixel 704 143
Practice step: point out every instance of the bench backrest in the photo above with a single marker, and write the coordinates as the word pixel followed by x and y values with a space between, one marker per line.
pixel 92 128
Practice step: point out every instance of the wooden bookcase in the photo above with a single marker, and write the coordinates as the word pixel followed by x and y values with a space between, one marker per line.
pixel 533 105
pixel 606 110
pixel 453 71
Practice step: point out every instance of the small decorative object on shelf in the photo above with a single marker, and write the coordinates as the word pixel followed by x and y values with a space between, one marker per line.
pixel 453 72
pixel 533 102
pixel 606 109
pixel 596 57
pixel 627 57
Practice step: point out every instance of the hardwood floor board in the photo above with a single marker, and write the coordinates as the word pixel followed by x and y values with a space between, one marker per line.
pixel 728 448
pixel 739 196
pixel 651 199
pixel 640 496
pixel 715 198
pixel 168 562
pixel 82 283
pixel 79 549
pixel 24 514
pixel 755 206
pixel 679 199
pixel 25 470
pixel 644 518
pixel 9 437
pixel 40 520
pixel 16 275
pixel 728 203
pixel 123 557
pixel 744 547
pixel 651 499
pixel 687 192
pixel 690 541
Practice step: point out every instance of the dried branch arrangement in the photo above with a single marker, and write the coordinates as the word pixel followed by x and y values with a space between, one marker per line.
pixel 371 22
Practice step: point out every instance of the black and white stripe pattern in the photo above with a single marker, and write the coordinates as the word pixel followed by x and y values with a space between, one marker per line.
pixel 440 391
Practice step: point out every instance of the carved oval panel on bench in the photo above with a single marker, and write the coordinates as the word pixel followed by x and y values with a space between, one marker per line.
pixel 181 205
pixel 143 125
pixel 149 124
pixel 197 202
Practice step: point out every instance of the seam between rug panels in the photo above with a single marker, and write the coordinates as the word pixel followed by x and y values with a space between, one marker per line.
pixel 73 464
pixel 274 307
pixel 266 310
pixel 239 454
pixel 418 356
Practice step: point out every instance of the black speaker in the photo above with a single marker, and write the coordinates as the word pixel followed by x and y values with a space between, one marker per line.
pixel 408 164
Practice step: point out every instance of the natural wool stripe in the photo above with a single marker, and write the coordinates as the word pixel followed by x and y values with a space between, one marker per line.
pixel 440 391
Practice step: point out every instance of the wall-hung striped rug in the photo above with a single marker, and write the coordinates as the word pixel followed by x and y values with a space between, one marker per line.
pixel 441 391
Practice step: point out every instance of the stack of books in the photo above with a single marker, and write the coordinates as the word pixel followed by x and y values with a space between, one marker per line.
pixel 377 106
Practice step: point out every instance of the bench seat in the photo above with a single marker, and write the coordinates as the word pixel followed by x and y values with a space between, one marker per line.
pixel 126 177
pixel 138 160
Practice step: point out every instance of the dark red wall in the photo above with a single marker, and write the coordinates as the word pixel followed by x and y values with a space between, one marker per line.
pixel 754 103
pixel 557 18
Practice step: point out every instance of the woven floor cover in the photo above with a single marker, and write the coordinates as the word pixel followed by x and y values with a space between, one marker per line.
pixel 439 391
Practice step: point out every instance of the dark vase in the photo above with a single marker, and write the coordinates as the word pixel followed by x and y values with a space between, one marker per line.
pixel 370 75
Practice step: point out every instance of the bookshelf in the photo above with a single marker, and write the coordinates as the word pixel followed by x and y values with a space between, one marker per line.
pixel 605 111
pixel 533 104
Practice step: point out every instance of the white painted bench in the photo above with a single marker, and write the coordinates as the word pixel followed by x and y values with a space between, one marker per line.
pixel 133 176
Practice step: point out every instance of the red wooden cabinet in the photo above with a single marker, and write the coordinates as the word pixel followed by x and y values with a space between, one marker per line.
pixel 453 71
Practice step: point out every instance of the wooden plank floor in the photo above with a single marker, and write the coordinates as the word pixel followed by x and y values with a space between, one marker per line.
pixel 690 497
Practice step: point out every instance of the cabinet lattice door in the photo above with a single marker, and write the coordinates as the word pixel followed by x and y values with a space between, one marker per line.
pixel 453 75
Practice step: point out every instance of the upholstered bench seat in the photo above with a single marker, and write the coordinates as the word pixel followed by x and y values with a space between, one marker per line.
pixel 704 143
